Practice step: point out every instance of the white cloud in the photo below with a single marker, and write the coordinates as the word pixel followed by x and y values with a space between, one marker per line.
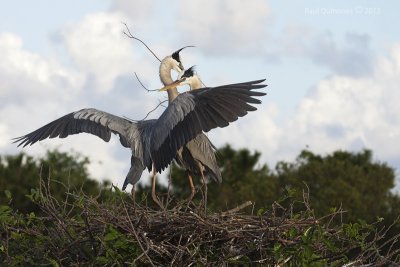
pixel 35 90
pixel 351 56
pixel 344 112
pixel 137 10
pixel 340 112
pixel 3 134
pixel 98 48
pixel 354 58
pixel 349 110
pixel 294 39
pixel 22 73
pixel 224 27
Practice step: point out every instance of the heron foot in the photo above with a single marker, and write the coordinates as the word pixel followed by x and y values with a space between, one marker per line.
pixel 190 198
pixel 157 200
pixel 153 190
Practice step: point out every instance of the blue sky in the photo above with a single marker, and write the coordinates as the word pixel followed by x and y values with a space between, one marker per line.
pixel 333 70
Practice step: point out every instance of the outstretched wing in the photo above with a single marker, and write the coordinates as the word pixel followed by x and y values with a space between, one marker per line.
pixel 200 110
pixel 89 120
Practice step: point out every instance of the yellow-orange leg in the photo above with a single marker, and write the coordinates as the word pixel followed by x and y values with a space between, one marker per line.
pixel 191 187
pixel 153 189
pixel 133 193
pixel 205 185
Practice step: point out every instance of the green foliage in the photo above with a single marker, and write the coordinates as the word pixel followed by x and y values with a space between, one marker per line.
pixel 119 232
pixel 351 181
pixel 20 173
pixel 118 247
pixel 52 213
pixel 66 235
pixel 244 179
pixel 343 179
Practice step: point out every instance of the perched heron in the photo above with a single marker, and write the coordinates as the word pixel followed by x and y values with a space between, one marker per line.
pixel 154 143
pixel 169 63
pixel 197 157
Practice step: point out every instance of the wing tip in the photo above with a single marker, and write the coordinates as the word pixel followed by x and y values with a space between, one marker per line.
pixel 20 141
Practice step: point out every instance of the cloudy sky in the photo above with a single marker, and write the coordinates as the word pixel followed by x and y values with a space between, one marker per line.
pixel 333 71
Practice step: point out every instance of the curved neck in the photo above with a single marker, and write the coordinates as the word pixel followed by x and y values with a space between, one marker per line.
pixel 165 76
pixel 195 83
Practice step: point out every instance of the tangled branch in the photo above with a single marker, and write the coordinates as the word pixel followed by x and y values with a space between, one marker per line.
pixel 121 232
pixel 144 87
pixel 129 35
pixel 148 113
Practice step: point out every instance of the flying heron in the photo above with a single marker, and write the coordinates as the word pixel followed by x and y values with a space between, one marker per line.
pixel 154 143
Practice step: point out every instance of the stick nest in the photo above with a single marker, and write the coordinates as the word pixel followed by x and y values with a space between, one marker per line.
pixel 83 230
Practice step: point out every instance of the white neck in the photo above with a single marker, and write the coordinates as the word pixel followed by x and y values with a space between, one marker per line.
pixel 165 76
pixel 195 83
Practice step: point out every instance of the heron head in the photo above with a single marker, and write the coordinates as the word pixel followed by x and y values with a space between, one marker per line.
pixel 186 77
pixel 177 58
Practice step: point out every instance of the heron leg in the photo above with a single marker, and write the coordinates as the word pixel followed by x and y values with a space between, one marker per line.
pixel 191 187
pixel 153 189
pixel 133 193
pixel 205 185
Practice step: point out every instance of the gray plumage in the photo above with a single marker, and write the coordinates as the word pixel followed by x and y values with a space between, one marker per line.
pixel 156 142
pixel 200 150
pixel 198 155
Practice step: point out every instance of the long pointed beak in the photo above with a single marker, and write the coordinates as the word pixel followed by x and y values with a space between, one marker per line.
pixel 172 85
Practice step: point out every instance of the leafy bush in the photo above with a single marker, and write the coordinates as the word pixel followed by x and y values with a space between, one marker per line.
pixel 118 231
pixel 290 219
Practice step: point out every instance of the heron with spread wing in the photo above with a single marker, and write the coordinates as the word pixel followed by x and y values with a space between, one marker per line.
pixel 197 156
pixel 154 143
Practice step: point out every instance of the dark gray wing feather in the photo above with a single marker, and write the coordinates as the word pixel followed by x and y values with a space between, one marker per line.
pixel 157 141
pixel 90 120
pixel 200 110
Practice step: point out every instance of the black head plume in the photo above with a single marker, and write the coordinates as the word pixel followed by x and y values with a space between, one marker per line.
pixel 176 56
pixel 189 72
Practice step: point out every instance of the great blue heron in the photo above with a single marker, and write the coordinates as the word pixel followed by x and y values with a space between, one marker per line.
pixel 155 142
pixel 169 63
pixel 198 155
